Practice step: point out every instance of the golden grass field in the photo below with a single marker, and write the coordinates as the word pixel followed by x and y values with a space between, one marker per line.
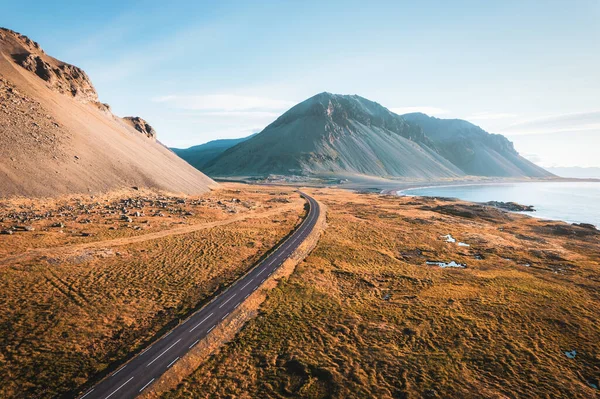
pixel 79 297
pixel 364 316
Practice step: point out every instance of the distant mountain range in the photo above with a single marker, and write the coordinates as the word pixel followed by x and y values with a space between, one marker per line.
pixel 331 134
pixel 199 155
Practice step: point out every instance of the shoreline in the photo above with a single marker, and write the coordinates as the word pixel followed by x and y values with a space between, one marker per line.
pixel 534 214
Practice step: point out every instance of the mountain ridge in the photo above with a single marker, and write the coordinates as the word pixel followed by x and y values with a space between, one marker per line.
pixel 340 134
pixel 57 138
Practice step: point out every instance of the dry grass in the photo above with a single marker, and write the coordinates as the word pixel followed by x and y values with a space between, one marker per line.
pixel 70 316
pixel 364 316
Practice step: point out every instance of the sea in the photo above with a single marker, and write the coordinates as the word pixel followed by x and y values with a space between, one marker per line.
pixel 573 202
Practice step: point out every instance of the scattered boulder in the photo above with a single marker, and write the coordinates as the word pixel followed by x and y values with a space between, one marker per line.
pixel 141 126
pixel 511 206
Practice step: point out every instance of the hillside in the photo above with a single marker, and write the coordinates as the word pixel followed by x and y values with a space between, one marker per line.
pixel 56 137
pixel 475 151
pixel 336 134
pixel 200 155
pixel 332 134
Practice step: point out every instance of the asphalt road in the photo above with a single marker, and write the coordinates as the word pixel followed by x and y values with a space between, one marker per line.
pixel 140 372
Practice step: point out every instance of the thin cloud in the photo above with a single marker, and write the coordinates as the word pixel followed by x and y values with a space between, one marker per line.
pixel 489 116
pixel 224 103
pixel 573 122
pixel 425 110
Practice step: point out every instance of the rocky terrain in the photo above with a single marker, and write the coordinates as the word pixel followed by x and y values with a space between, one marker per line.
pixel 56 137
pixel 338 135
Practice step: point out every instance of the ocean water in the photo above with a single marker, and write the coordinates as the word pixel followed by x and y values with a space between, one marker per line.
pixel 572 202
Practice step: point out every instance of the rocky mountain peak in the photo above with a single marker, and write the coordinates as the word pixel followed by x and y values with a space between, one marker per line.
pixel 141 126
pixel 60 76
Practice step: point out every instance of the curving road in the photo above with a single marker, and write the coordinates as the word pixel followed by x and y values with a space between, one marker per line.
pixel 145 368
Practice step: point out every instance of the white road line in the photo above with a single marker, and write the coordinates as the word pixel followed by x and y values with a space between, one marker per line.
pixel 210 329
pixel 115 391
pixel 223 318
pixel 247 283
pixel 146 386
pixel 194 344
pixel 259 273
pixel 117 372
pixel 146 350
pixel 254 288
pixel 201 322
pixel 238 304
pixel 167 334
pixel 263 280
pixel 229 299
pixel 173 362
pixel 271 272
pixel 247 295
pixel 88 392
pixel 156 358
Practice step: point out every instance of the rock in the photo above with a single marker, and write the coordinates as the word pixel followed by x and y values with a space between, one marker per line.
pixel 585 226
pixel 9 232
pixel 126 218
pixel 58 224
pixel 511 206
pixel 141 126
pixel 24 228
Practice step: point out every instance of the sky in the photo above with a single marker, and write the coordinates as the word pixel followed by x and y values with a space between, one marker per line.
pixel 203 70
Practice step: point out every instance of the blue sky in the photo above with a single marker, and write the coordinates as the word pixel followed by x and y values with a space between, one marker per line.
pixel 203 70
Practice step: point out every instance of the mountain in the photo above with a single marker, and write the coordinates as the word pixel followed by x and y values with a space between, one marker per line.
pixel 336 134
pixel 475 151
pixel 331 134
pixel 56 137
pixel 199 155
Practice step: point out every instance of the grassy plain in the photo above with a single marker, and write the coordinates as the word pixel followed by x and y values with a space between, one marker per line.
pixel 87 280
pixel 365 316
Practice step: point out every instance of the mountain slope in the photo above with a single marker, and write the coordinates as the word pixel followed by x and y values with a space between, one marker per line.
pixel 336 134
pixel 200 155
pixel 57 138
pixel 475 151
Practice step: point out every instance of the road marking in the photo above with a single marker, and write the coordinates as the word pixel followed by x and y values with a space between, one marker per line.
pixel 263 280
pixel 146 386
pixel 247 295
pixel 146 350
pixel 271 272
pixel 115 391
pixel 254 289
pixel 173 362
pixel 238 304
pixel 259 273
pixel 201 322
pixel 229 299
pixel 167 334
pixel 192 345
pixel 223 318
pixel 210 329
pixel 116 372
pixel 156 358
pixel 89 392
pixel 247 283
